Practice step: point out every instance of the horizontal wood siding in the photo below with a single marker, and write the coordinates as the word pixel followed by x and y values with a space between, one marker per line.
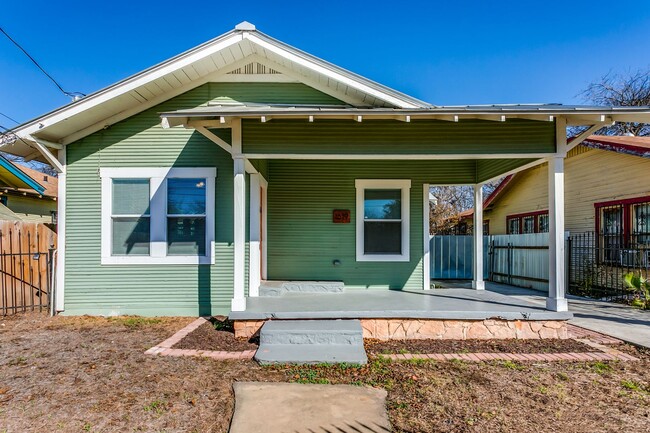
pixel 303 241
pixel 591 176
pixel 91 288
pixel 395 137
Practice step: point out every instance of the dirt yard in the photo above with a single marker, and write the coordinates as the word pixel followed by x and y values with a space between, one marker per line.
pixel 90 375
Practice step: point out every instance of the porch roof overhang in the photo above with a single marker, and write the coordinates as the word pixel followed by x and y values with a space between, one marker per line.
pixel 219 115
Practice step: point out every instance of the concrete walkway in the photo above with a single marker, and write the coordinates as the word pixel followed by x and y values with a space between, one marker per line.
pixel 293 407
pixel 617 320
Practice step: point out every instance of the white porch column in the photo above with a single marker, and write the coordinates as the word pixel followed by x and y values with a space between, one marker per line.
pixel 239 218
pixel 478 282
pixel 426 239
pixel 254 256
pixel 556 260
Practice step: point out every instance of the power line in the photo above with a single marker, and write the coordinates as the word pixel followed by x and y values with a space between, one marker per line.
pixel 66 93
pixel 10 118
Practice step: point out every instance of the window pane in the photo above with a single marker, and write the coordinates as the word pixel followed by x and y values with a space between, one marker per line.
pixel 131 236
pixel 186 196
pixel 513 226
pixel 543 223
pixel 382 204
pixel 641 225
pixel 130 196
pixel 382 237
pixel 186 236
pixel 529 224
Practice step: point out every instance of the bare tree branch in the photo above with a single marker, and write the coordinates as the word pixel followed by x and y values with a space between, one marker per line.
pixel 619 90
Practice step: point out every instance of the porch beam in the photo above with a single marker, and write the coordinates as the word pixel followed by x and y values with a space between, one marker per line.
pixel 215 138
pixel 40 145
pixel 556 300
pixel 239 219
pixel 584 135
pixel 478 282
pixel 408 157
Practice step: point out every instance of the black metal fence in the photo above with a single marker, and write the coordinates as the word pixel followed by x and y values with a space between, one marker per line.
pixel 598 263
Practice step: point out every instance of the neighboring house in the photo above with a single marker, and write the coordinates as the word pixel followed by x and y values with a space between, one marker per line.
pixel 27 194
pixel 607 191
pixel 245 159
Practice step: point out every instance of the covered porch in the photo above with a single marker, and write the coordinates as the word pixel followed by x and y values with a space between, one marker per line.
pixel 316 158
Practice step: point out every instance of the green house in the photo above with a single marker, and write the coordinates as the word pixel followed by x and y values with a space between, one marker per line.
pixel 244 161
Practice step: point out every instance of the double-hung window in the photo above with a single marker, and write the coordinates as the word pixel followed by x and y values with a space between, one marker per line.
pixel 525 223
pixel 157 215
pixel 383 220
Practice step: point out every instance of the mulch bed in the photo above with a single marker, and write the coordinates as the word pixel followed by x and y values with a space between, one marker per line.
pixel 475 346
pixel 217 334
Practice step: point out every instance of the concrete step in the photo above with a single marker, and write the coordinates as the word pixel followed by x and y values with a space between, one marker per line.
pixel 311 332
pixel 279 288
pixel 311 341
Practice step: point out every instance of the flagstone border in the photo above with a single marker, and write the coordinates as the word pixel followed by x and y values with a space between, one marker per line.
pixel 165 348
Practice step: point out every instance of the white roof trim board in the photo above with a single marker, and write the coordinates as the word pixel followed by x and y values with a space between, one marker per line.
pixel 193 68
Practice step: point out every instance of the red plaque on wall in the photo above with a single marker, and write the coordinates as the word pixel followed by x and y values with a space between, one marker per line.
pixel 341 216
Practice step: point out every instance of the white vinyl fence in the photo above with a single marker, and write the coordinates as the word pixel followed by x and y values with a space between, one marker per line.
pixel 518 260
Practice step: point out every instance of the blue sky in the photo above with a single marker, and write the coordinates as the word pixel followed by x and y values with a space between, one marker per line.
pixel 455 52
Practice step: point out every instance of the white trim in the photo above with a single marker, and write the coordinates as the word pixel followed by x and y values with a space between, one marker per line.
pixel 158 217
pixel 132 83
pixel 329 73
pixel 61 233
pixel 393 157
pixel 477 282
pixel 255 78
pixel 402 184
pixel 515 170
pixel 426 239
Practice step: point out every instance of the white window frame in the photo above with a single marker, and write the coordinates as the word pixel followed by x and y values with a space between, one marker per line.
pixel 157 214
pixel 405 186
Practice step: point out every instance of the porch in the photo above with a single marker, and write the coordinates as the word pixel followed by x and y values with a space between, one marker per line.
pixel 456 312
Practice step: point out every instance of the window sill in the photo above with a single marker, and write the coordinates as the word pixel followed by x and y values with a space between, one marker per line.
pixel 383 258
pixel 148 260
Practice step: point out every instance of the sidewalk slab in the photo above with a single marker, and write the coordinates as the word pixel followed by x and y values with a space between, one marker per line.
pixel 293 407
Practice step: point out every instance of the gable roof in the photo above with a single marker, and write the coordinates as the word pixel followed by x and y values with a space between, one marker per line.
pixel 213 59
pixel 630 145
pixel 18 177
pixel 246 48
pixel 49 183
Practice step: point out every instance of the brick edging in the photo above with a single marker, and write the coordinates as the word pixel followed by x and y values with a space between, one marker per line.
pixel 165 348
pixel 519 357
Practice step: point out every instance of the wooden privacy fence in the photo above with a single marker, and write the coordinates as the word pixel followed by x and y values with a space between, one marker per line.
pixel 26 266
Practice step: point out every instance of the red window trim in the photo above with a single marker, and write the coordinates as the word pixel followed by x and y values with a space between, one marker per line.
pixel 626 204
pixel 521 217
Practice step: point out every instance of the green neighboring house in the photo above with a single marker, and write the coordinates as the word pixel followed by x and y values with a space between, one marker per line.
pixel 26 194
pixel 184 187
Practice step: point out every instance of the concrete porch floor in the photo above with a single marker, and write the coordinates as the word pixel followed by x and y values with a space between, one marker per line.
pixel 458 302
